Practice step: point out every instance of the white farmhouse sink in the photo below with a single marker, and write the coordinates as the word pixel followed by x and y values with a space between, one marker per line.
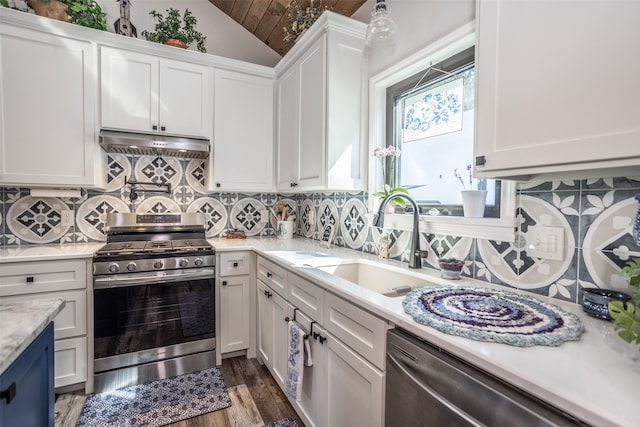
pixel 385 279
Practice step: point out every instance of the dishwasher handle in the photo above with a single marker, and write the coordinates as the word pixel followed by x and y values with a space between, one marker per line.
pixel 434 394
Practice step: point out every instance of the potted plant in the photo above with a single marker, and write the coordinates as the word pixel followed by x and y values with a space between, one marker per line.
pixel 451 268
pixel 473 200
pixel 175 30
pixel 87 13
pixel 301 18
pixel 388 155
pixel 626 315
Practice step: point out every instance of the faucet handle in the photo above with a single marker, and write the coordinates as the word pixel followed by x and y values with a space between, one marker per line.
pixel 422 254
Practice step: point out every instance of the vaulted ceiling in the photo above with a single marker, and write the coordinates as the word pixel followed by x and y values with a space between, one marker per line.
pixel 266 18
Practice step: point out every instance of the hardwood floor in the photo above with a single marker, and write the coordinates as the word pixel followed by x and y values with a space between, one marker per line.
pixel 256 400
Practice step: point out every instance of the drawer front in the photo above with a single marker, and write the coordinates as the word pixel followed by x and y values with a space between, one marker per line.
pixel 234 263
pixel 307 296
pixel 273 276
pixel 18 278
pixel 72 320
pixel 359 329
pixel 70 357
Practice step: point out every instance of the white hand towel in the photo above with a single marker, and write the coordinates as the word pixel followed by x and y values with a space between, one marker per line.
pixel 308 361
pixel 295 361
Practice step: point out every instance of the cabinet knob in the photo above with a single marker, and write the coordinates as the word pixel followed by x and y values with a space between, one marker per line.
pixel 218 185
pixel 235 265
pixel 481 161
pixel 269 275
pixel 286 319
pixel 293 184
pixel 9 393
pixel 163 128
pixel 224 283
pixel 322 339
pixel 29 279
pixel 154 127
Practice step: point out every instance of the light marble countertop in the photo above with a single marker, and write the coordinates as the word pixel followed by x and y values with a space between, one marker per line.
pixel 21 323
pixel 594 379
pixel 49 252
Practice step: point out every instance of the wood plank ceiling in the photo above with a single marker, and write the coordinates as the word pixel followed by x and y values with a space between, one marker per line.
pixel 266 18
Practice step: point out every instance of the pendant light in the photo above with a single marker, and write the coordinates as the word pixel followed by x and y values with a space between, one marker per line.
pixel 381 31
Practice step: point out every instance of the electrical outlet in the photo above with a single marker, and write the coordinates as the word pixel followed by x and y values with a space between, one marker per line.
pixel 545 242
pixel 67 218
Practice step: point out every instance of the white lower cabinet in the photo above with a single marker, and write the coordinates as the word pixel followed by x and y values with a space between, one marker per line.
pixel 345 385
pixel 355 388
pixel 235 301
pixel 272 332
pixel 65 279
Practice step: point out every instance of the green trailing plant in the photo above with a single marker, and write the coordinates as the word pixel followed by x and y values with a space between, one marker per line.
pixel 626 316
pixel 173 26
pixel 87 13
pixel 4 3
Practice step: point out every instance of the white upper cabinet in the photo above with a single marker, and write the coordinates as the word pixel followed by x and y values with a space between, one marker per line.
pixel 243 132
pixel 320 104
pixel 144 93
pixel 47 109
pixel 557 88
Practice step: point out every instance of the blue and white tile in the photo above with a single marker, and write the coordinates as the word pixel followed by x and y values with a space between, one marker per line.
pixel 229 199
pixel 608 244
pixel 184 195
pixel 158 170
pixel 249 215
pixel 555 185
pixel 215 214
pixel 118 171
pixel 91 215
pixel 196 175
pixel 353 224
pixel 158 204
pixel 618 183
pixel 308 218
pixel 37 219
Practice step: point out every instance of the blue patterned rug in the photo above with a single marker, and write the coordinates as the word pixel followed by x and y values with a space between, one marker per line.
pixel 492 315
pixel 157 403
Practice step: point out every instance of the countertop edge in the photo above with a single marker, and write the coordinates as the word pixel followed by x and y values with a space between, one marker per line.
pixel 33 318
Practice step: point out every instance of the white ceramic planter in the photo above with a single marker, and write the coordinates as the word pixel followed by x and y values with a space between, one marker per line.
pixel 473 202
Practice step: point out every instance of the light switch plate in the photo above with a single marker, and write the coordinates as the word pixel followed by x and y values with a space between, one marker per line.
pixel 545 242
pixel 67 218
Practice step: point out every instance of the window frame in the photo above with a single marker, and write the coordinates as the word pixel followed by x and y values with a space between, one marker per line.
pixel 501 228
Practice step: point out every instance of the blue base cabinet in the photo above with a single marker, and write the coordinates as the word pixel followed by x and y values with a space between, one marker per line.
pixel 26 387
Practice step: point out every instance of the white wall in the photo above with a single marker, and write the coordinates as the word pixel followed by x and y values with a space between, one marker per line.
pixel 420 23
pixel 225 37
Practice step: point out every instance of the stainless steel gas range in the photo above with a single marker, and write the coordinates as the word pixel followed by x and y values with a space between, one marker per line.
pixel 153 297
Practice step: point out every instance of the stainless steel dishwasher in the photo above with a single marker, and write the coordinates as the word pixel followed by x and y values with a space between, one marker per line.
pixel 428 387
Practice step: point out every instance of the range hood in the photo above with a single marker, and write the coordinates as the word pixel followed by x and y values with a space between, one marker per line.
pixel 153 145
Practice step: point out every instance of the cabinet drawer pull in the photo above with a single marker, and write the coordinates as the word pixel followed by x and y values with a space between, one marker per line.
pixel 481 161
pixel 30 279
pixel 269 275
pixel 9 393
pixel 163 128
pixel 322 339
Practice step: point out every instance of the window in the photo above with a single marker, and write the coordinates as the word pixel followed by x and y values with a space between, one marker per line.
pixel 407 77
pixel 430 118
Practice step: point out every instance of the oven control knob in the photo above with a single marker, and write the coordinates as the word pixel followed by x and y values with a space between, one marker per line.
pixel 198 261
pixel 114 267
pixel 158 264
pixel 183 262
pixel 132 266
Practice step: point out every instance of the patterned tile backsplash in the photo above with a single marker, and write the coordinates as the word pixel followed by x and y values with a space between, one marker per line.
pixel 597 216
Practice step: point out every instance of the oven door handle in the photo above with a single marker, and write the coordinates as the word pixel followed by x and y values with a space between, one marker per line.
pixel 141 279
